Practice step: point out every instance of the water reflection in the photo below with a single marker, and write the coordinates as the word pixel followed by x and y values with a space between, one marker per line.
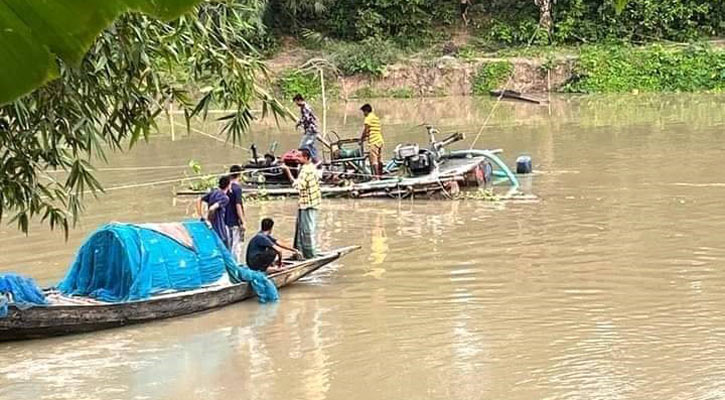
pixel 378 248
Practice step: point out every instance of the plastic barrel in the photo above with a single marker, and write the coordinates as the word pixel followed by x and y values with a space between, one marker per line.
pixel 523 165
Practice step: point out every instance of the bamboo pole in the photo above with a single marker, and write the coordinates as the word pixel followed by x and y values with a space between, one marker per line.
pixel 170 114
pixel 324 104
pixel 548 91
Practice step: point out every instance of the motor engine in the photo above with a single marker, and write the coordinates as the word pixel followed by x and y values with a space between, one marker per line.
pixel 292 159
pixel 346 153
pixel 416 160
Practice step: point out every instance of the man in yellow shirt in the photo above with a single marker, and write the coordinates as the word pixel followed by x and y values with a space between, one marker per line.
pixel 373 133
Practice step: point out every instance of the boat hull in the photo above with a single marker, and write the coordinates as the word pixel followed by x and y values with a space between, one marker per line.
pixel 57 320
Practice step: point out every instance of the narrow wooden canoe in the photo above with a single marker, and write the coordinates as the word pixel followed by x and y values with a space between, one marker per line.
pixel 514 95
pixel 64 317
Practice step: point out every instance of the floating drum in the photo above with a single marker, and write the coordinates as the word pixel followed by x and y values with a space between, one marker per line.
pixel 523 165
pixel 487 171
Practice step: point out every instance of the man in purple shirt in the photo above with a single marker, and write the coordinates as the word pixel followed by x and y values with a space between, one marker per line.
pixel 217 201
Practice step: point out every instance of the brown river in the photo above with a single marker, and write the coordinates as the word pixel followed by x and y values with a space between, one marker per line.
pixel 605 283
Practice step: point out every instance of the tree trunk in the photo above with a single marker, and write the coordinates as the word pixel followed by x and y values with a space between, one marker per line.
pixel 546 20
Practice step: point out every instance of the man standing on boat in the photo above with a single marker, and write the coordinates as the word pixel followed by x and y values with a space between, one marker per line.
pixel 217 201
pixel 264 249
pixel 373 133
pixel 308 122
pixel 308 187
pixel 235 218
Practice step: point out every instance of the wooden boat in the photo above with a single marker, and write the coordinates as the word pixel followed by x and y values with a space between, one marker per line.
pixel 69 315
pixel 514 95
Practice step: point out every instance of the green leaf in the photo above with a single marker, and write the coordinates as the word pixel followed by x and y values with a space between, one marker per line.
pixel 619 5
pixel 34 33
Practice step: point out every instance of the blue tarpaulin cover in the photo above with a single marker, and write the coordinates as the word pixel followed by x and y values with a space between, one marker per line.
pixel 24 292
pixel 126 262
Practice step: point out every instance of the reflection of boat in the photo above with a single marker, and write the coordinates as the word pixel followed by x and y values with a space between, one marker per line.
pixel 67 314
pixel 413 170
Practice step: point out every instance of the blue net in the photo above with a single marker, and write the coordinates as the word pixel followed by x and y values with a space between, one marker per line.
pixel 23 291
pixel 264 288
pixel 124 262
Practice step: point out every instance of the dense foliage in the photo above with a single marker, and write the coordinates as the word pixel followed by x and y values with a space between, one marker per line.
pixel 113 98
pixel 640 21
pixel 652 69
pixel 408 21
pixel 370 56
pixel 412 22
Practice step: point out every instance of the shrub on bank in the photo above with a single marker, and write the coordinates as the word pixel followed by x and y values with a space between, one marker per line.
pixel 367 92
pixel 292 82
pixel 369 56
pixel 490 76
pixel 607 69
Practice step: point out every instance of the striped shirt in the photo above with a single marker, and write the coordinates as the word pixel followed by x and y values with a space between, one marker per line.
pixel 308 186
pixel 375 136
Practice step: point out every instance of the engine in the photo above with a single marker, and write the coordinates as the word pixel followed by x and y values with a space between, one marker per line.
pixel 416 161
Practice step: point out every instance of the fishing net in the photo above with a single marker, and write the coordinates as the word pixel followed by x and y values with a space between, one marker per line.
pixel 22 291
pixel 125 262
pixel 264 288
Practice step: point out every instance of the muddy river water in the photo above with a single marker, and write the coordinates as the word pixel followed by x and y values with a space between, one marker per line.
pixel 609 285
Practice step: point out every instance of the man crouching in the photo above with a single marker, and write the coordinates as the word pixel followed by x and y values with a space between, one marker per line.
pixel 264 249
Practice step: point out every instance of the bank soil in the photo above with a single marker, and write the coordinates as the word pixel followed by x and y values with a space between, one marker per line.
pixel 452 76
pixel 442 76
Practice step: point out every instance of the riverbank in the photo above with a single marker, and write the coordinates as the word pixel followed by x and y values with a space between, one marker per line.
pixel 454 69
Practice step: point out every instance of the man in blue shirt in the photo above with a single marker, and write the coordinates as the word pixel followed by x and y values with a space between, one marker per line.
pixel 235 214
pixel 216 201
pixel 263 249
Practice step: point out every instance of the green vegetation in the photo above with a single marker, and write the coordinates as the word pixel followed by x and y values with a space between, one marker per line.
pixel 649 69
pixel 417 22
pixel 590 21
pixel 200 181
pixel 114 96
pixel 401 93
pixel 292 82
pixel 31 43
pixel 407 22
pixel 363 37
pixel 490 76
pixel 368 92
pixel 369 56
pixel 480 194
